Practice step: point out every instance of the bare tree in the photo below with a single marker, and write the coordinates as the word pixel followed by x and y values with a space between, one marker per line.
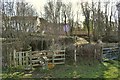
pixel 52 11
pixel 93 14
pixel 14 26
pixel 67 15
pixel 86 12
pixel 15 17
pixel 118 8
pixel 106 18
pixel 58 12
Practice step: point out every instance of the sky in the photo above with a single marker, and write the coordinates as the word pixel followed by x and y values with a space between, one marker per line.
pixel 39 5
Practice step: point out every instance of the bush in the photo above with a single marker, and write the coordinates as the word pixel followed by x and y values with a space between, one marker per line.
pixel 111 39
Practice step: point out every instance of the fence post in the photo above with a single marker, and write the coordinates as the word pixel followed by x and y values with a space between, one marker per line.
pixel 14 57
pixel 53 57
pixel 64 56
pixel 23 58
pixel 30 59
pixel 20 58
pixel 10 59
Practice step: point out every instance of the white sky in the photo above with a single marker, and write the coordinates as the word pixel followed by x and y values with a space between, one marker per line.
pixel 39 5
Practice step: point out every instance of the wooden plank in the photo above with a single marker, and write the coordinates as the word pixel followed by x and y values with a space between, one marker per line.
pixel 14 57
pixel 17 59
pixel 33 61
pixel 30 56
pixel 49 59
pixel 10 59
pixel 53 58
pixel 34 57
pixel 105 49
pixel 59 51
pixel 59 63
pixel 110 48
pixel 26 60
pixel 23 59
pixel 35 65
pixel 20 59
pixel 64 56
pixel 59 59
pixel 59 55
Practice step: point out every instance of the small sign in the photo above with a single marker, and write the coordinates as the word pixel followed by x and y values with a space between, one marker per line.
pixel 66 28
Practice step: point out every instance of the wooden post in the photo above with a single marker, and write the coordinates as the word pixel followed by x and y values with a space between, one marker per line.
pixel 20 58
pixel 64 56
pixel 17 59
pixel 10 59
pixel 53 57
pixel 75 57
pixel 14 57
pixel 64 52
pixel 30 60
pixel 26 60
pixel 75 51
pixel 23 58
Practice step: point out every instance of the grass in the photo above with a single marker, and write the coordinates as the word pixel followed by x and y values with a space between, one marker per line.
pixel 82 71
pixel 112 69
pixel 104 70
pixel 108 69
pixel 14 73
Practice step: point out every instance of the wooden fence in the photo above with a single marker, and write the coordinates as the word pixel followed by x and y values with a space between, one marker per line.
pixel 30 59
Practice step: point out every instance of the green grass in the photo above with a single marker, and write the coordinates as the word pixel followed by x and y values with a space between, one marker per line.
pixel 109 69
pixel 104 70
pixel 82 71
pixel 14 73
pixel 113 69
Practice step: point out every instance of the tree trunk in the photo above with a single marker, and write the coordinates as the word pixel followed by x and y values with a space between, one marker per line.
pixel 119 30
pixel 65 22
